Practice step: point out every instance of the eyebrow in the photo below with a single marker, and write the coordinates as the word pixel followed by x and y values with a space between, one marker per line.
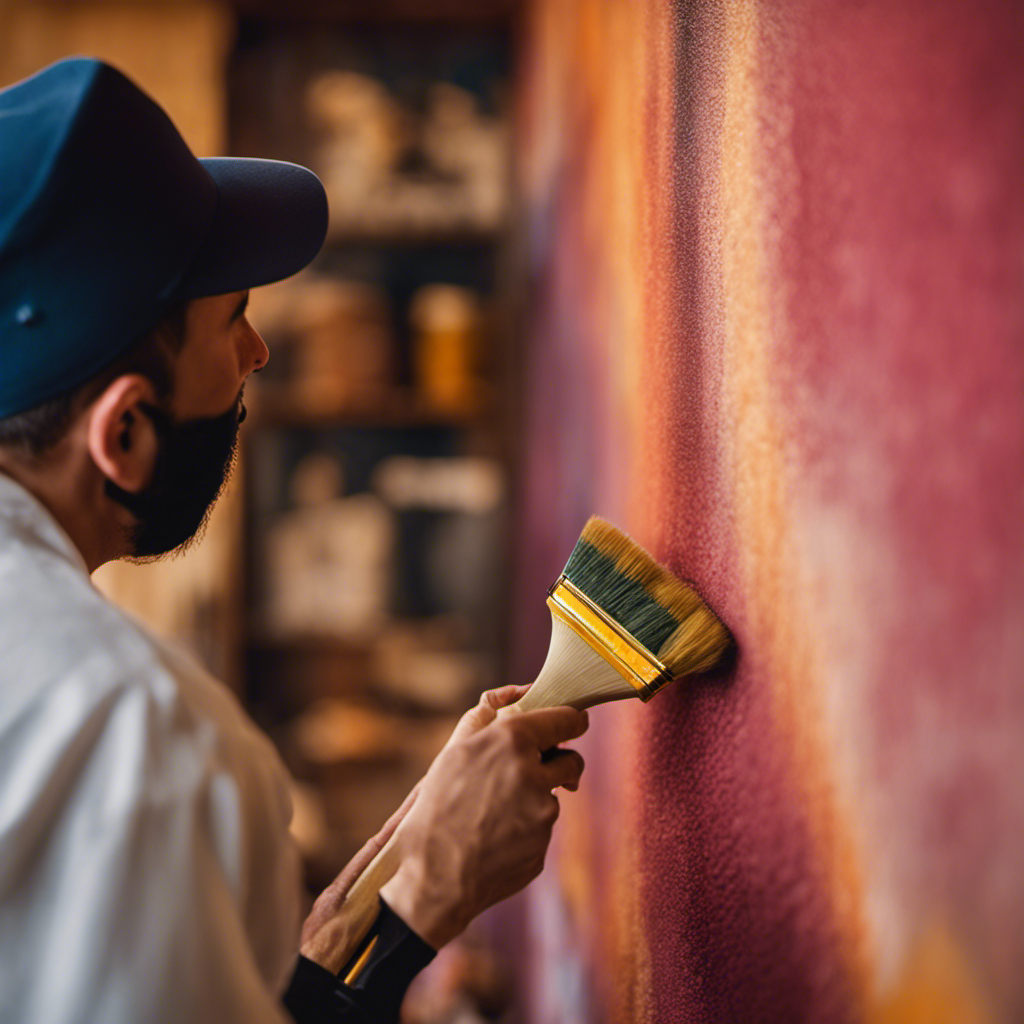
pixel 240 308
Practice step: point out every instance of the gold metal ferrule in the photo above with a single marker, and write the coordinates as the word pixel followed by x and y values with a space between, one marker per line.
pixel 634 662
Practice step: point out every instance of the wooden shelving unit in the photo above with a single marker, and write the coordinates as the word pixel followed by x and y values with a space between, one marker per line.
pixel 440 627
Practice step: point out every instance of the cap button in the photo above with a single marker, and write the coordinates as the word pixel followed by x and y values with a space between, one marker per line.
pixel 27 314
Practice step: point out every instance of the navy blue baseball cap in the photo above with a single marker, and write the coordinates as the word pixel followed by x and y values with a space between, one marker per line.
pixel 107 220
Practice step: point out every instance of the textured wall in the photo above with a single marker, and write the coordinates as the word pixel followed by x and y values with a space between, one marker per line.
pixel 777 333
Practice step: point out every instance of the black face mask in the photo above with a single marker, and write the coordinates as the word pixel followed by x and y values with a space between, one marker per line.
pixel 195 459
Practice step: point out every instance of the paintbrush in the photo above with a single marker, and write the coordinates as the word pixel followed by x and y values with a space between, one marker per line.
pixel 640 626
pixel 622 626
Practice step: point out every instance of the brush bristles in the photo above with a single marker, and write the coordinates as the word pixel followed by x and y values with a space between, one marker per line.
pixel 660 611
pixel 696 645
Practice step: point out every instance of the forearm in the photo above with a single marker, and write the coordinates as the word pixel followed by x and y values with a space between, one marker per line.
pixel 436 919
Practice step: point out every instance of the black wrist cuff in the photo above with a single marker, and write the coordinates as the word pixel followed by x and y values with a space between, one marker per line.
pixel 316 996
pixel 382 968
pixel 372 985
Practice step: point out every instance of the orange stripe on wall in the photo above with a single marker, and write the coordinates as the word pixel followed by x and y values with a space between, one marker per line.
pixel 754 187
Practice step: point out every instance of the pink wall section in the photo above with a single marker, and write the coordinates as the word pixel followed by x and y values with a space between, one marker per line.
pixel 777 334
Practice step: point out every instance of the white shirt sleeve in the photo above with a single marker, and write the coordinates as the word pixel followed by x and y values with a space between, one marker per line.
pixel 148 875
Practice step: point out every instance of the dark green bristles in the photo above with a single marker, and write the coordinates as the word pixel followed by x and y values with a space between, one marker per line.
pixel 627 601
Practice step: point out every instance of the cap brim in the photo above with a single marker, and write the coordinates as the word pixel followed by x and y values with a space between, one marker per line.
pixel 270 222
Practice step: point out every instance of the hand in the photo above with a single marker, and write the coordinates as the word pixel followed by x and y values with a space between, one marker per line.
pixel 480 826
pixel 328 904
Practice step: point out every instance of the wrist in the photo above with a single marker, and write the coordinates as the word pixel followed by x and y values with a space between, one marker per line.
pixel 430 914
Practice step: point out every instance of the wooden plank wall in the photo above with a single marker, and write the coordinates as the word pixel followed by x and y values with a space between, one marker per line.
pixel 177 52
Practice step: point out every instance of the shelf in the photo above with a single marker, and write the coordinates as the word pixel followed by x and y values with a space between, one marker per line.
pixel 403 12
pixel 398 410
pixel 411 238
pixel 309 644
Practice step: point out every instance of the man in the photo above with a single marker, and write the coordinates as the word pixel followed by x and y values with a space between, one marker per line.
pixel 145 868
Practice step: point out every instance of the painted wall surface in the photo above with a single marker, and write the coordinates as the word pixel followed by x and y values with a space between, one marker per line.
pixel 777 333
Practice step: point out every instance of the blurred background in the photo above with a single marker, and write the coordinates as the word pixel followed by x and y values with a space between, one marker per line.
pixel 353 586
pixel 747 278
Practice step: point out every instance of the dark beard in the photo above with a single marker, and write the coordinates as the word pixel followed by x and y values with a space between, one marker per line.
pixel 195 459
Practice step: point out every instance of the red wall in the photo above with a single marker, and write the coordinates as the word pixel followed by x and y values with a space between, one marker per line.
pixel 778 335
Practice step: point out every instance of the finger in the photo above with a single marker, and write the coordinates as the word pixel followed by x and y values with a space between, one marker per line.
pixel 552 811
pixel 548 727
pixel 504 695
pixel 562 768
pixel 486 709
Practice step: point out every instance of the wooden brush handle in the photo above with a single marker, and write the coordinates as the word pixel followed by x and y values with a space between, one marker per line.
pixel 571 675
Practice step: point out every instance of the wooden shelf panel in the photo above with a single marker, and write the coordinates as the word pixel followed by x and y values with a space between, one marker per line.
pixel 470 12
pixel 411 238
pixel 397 410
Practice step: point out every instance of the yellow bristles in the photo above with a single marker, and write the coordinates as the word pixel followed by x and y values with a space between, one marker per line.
pixel 697 644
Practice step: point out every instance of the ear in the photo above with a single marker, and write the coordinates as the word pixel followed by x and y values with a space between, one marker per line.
pixel 121 438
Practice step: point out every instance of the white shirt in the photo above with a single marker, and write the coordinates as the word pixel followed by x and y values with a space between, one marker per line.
pixel 146 872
